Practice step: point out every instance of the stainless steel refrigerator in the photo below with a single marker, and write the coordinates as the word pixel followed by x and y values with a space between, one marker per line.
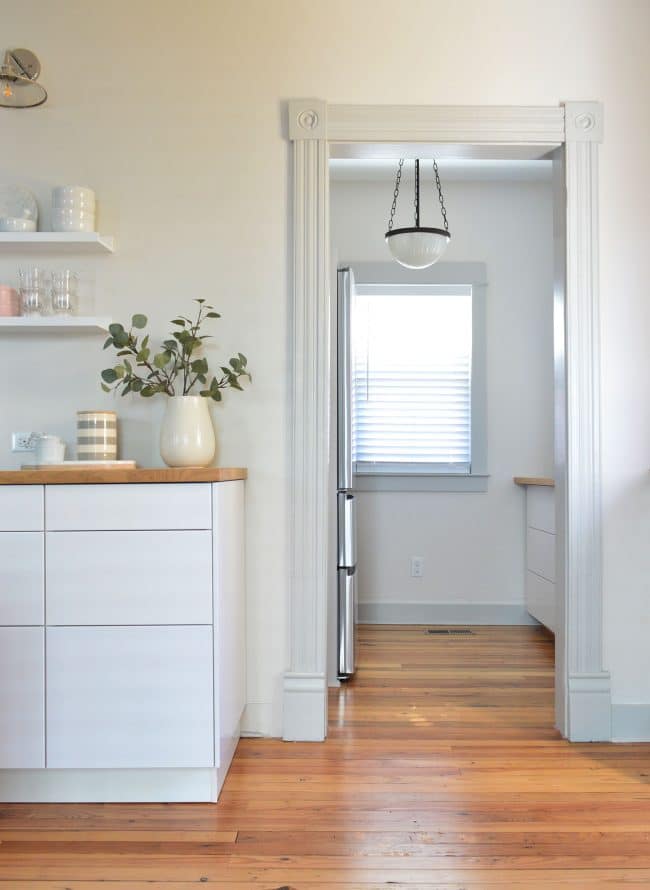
pixel 346 504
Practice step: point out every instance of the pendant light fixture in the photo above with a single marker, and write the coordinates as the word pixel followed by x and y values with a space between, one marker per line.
pixel 18 75
pixel 417 247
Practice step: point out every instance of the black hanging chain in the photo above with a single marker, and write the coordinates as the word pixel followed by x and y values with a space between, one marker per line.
pixel 395 194
pixel 440 198
pixel 416 198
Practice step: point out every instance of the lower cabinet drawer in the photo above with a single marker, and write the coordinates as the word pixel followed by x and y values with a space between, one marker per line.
pixel 22 698
pixel 21 578
pixel 122 697
pixel 540 599
pixel 540 553
pixel 140 577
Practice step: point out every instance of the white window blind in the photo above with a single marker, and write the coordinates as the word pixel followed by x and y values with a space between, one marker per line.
pixel 411 379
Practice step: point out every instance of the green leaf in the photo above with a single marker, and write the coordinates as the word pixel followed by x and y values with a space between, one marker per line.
pixel 128 366
pixel 212 315
pixel 147 391
pixel 171 345
pixel 179 321
pixel 107 343
pixel 120 370
pixel 199 366
pixel 105 388
pixel 115 329
pixel 139 321
pixel 143 356
pixel 109 375
pixel 199 301
pixel 160 360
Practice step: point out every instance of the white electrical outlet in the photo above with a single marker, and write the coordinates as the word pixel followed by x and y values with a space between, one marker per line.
pixel 417 566
pixel 23 441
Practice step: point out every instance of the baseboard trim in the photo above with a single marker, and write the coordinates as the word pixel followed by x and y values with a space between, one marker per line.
pixel 110 785
pixel 590 707
pixel 631 723
pixel 444 613
pixel 304 707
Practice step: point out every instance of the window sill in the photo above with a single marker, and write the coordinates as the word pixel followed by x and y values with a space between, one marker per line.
pixel 473 482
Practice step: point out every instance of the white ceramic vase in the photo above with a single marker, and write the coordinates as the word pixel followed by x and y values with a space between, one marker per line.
pixel 187 435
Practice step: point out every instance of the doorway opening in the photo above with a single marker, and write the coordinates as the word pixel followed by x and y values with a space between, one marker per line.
pixel 573 131
pixel 444 397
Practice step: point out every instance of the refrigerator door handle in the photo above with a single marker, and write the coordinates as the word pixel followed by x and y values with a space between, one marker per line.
pixel 347 531
pixel 346 641
pixel 344 378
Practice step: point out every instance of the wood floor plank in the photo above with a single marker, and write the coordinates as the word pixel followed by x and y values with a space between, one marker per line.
pixel 442 770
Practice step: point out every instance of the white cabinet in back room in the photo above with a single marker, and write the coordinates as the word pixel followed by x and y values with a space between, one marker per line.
pixel 540 551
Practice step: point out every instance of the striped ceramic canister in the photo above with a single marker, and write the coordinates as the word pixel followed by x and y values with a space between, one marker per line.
pixel 96 435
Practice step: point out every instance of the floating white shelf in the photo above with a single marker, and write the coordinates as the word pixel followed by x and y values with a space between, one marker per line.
pixel 52 324
pixel 82 242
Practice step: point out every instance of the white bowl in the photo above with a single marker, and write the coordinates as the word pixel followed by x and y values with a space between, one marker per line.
pixel 73 196
pixel 66 220
pixel 14 224
pixel 17 202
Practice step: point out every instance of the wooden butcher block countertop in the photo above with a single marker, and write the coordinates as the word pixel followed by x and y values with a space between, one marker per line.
pixel 534 480
pixel 102 476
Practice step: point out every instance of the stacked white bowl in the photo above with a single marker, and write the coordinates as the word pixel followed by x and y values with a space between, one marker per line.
pixel 73 209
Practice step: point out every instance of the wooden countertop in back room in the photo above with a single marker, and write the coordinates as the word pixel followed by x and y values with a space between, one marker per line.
pixel 534 480
pixel 102 476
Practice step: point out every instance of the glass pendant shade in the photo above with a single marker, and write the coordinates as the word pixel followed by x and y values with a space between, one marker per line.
pixel 417 248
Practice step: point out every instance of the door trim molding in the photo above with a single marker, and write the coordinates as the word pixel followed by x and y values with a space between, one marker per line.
pixel 582 685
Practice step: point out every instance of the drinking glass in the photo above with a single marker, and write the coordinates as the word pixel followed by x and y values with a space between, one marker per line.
pixel 33 289
pixel 64 292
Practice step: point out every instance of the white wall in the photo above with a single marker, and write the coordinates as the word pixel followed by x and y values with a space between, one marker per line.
pixel 472 543
pixel 192 173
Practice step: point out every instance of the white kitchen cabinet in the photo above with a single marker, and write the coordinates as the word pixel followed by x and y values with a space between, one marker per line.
pixel 21 508
pixel 128 507
pixel 22 698
pixel 21 578
pixel 540 553
pixel 140 577
pixel 131 684
pixel 129 697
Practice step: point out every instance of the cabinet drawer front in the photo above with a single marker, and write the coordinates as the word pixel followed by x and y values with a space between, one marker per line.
pixel 129 697
pixel 128 507
pixel 21 508
pixel 540 506
pixel 540 599
pixel 143 577
pixel 22 698
pixel 21 578
pixel 540 553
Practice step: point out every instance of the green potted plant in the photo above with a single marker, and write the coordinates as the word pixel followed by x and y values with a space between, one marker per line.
pixel 177 371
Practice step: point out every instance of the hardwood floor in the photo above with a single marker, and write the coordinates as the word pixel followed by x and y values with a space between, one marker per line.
pixel 442 770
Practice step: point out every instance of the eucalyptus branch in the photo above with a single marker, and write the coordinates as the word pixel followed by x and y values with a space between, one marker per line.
pixel 176 358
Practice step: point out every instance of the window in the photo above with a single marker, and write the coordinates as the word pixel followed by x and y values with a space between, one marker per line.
pixel 417 395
